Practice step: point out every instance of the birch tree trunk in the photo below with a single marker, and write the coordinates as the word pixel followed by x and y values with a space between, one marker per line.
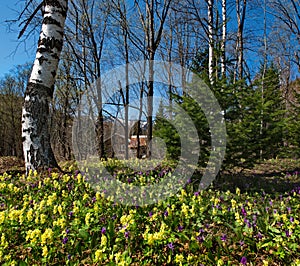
pixel 210 14
pixel 224 37
pixel 35 130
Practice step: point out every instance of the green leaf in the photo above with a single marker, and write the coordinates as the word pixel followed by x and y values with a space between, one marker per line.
pixel 84 234
pixel 274 230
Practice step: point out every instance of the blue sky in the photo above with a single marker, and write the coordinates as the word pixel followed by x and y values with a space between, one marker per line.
pixel 10 54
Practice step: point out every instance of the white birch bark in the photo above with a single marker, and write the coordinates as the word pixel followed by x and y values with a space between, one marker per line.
pixel 210 14
pixel 35 133
pixel 224 37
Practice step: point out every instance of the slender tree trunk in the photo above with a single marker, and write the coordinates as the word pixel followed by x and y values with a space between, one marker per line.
pixel 216 58
pixel 35 113
pixel 241 12
pixel 151 53
pixel 263 79
pixel 224 37
pixel 126 96
pixel 210 14
pixel 138 151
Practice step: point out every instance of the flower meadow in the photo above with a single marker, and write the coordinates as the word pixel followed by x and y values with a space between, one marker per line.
pixel 58 219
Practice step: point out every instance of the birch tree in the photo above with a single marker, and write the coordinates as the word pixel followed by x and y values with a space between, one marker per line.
pixel 40 88
pixel 210 21
pixel 224 37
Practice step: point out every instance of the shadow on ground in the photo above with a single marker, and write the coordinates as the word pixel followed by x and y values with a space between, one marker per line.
pixel 270 183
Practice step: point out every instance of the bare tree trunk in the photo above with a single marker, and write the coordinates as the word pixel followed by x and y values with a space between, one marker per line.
pixel 224 37
pixel 210 14
pixel 151 54
pixel 263 78
pixel 35 113
pixel 138 151
pixel 241 12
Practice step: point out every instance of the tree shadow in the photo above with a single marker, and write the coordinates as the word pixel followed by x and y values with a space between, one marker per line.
pixel 270 182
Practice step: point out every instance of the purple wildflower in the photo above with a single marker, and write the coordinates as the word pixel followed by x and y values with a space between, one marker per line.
pixel 126 234
pixel 166 213
pixel 170 246
pixel 103 230
pixel 197 193
pixel 200 239
pixel 65 240
pixel 243 260
pixel 254 218
pixel 244 213
pixel 180 228
pixel 247 222
pixel 287 233
pixel 259 236
pixel 223 237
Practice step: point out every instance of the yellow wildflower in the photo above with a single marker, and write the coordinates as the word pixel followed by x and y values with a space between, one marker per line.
pixel 47 236
pixel 103 241
pixel 64 194
pixel 87 218
pixel 265 263
pixel 14 215
pixel 52 198
pixel 66 178
pixel 233 204
pixel 33 235
pixel 29 215
pixel 85 196
pixel 47 181
pixel 59 208
pixel 284 217
pixel 60 222
pixel 79 178
pixel 42 204
pixel 220 262
pixel 98 255
pixel 43 218
pixel 2 217
pixel 4 243
pixel 45 251
pixel 118 257
pixel 185 210
pixel 179 258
